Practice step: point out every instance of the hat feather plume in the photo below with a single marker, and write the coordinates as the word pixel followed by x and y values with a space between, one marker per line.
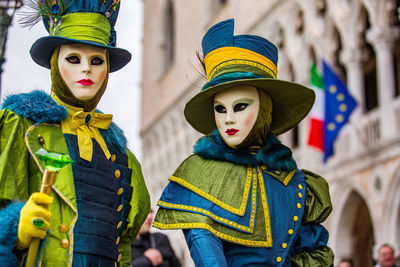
pixel 37 10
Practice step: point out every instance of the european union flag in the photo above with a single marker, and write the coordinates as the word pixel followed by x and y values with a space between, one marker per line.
pixel 338 106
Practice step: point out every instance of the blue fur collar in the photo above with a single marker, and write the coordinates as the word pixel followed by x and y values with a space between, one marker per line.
pixel 274 154
pixel 39 107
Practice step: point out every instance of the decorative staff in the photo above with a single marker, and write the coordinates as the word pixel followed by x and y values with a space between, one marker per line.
pixel 52 162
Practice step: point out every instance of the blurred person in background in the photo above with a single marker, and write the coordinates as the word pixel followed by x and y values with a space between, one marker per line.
pixel 386 256
pixel 346 263
pixel 152 249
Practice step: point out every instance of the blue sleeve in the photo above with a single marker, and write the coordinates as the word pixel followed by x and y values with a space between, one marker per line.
pixel 310 237
pixel 9 219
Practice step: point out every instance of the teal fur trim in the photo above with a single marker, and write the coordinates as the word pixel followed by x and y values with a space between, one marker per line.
pixel 37 106
pixel 40 107
pixel 9 219
pixel 273 154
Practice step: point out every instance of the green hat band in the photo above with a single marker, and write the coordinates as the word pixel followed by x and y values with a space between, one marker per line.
pixel 83 26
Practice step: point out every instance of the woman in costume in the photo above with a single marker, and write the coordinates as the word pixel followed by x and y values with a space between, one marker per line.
pixel 98 202
pixel 240 198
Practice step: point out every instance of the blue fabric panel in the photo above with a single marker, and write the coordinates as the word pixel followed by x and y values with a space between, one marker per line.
pixel 107 197
pixel 208 250
pixel 98 228
pixel 177 194
pixel 311 237
pixel 205 248
pixel 81 260
pixel 96 190
pixel 221 35
pixel 283 209
pixel 257 44
pixel 217 36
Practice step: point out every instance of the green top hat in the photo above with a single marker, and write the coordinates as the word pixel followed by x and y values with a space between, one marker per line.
pixel 77 21
pixel 238 60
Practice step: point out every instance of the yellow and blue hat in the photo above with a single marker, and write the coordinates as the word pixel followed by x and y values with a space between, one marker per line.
pixel 235 60
pixel 77 21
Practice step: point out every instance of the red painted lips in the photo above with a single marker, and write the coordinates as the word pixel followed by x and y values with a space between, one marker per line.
pixel 231 131
pixel 86 82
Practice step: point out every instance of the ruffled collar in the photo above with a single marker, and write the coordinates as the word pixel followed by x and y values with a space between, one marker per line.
pixel 273 154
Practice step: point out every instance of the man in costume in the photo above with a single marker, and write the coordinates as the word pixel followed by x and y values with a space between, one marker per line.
pixel 240 198
pixel 98 203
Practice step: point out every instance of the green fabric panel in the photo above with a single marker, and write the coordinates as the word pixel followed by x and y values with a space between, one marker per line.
pixel 318 202
pixel 169 216
pixel 322 257
pixel 140 201
pixel 279 175
pixel 124 249
pixel 19 175
pixel 201 173
pixel 84 26
pixel 241 68
pixel 55 142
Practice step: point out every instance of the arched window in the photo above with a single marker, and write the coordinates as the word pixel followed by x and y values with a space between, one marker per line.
pixel 397 68
pixel 340 70
pixel 369 71
pixel 168 42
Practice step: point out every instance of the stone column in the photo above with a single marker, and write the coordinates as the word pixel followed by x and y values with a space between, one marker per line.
pixel 383 40
pixel 352 58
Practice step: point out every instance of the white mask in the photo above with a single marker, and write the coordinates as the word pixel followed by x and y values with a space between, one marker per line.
pixel 236 111
pixel 83 68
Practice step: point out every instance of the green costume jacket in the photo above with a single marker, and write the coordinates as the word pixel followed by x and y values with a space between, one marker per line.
pixel 24 118
pixel 256 200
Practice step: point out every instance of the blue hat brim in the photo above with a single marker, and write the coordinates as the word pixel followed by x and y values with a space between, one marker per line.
pixel 291 103
pixel 42 50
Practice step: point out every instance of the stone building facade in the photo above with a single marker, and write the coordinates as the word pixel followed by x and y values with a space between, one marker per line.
pixel 358 38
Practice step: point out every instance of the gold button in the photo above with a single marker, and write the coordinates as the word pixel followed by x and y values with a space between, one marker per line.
pixel 119 257
pixel 300 186
pixel 64 243
pixel 117 242
pixel 63 228
pixel 117 173
pixel 290 232
pixel 119 208
pixel 284 245
pixel 119 224
pixel 299 205
pixel 113 158
pixel 279 259
pixel 120 191
pixel 295 218
pixel 299 194
pixel 263 167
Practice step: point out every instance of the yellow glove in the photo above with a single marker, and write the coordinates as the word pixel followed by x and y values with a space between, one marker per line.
pixel 34 219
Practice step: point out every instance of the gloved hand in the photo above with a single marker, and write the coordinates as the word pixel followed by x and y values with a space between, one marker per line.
pixel 37 207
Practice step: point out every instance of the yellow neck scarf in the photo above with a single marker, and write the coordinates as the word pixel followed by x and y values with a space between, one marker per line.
pixel 85 125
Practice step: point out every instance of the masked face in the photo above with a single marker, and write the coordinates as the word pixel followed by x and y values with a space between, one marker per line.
pixel 236 112
pixel 83 69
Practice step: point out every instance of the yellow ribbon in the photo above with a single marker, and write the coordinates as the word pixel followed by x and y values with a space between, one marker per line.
pixel 228 55
pixel 85 125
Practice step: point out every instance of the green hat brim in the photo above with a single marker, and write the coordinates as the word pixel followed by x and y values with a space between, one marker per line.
pixel 291 103
pixel 42 50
